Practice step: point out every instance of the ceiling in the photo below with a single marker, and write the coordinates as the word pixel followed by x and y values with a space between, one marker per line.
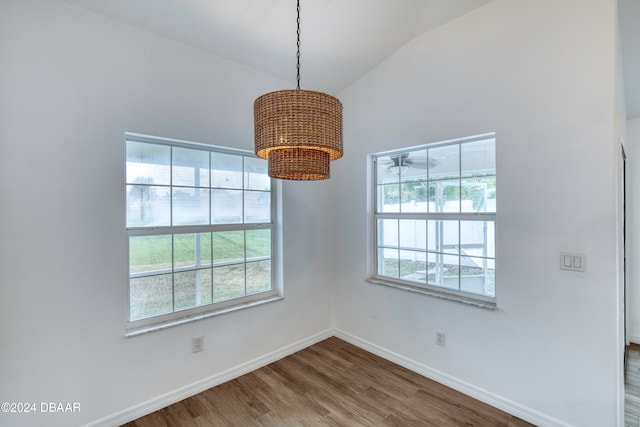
pixel 340 39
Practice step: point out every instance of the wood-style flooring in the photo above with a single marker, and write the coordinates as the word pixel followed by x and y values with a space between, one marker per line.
pixel 632 387
pixel 332 383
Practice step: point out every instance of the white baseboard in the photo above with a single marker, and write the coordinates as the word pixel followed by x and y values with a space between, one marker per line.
pixel 144 408
pixel 159 402
pixel 634 338
pixel 478 393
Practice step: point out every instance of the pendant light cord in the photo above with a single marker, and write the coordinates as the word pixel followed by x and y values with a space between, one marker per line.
pixel 298 43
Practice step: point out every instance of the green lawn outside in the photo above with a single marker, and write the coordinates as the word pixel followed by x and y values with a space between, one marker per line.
pixel 197 282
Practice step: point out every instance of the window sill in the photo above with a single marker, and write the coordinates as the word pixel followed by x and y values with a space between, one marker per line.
pixel 141 330
pixel 487 305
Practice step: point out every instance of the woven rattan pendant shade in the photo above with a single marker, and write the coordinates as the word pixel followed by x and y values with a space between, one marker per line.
pixel 299 132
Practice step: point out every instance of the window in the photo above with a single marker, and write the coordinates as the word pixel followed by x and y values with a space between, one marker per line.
pixel 200 231
pixel 434 216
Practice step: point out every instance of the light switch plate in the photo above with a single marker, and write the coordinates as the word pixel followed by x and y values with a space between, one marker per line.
pixel 572 261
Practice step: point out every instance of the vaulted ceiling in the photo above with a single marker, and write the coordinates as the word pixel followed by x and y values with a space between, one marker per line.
pixel 341 39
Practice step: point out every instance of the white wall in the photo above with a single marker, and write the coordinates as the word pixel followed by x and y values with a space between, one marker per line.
pixel 71 84
pixel 633 229
pixel 542 76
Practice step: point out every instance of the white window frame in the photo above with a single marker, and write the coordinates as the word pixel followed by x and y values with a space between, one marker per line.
pixel 479 300
pixel 180 316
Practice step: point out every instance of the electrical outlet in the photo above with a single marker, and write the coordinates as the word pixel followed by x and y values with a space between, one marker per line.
pixel 441 338
pixel 197 344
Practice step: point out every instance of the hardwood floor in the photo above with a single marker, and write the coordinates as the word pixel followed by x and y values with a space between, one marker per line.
pixel 632 387
pixel 332 383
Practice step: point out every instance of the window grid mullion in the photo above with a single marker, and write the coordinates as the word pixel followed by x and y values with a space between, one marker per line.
pixel 398 233
pixel 376 196
pixel 245 261
pixel 174 230
pixel 429 215
pixel 210 220
pixel 460 252
pixel 243 189
pixel 444 216
pixel 459 211
pixel 184 229
pixel 244 233
pixel 173 274
pixel 212 269
pixel 459 177
pixel 173 243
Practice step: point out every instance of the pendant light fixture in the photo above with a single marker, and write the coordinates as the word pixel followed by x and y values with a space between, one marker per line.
pixel 298 131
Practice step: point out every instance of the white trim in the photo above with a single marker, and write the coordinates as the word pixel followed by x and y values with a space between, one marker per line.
pixel 204 314
pixel 169 398
pixel 161 140
pixel 176 316
pixel 471 390
pixel 634 338
pixel 432 291
pixel 376 213
pixel 463 140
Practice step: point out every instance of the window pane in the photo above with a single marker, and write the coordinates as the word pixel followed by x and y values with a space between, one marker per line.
pixel 414 196
pixel 257 207
pixel 190 167
pixel 206 285
pixel 389 198
pixel 443 236
pixel 148 206
pixel 450 272
pixel 477 276
pixel 206 248
pixel 478 158
pixel 423 195
pixel 479 194
pixel 150 296
pixel 446 195
pixel 258 243
pixel 444 270
pixel 477 238
pixel 386 171
pixel 258 276
pixel 192 288
pixel 192 250
pixel 149 253
pixel 228 282
pixel 491 239
pixel 148 163
pixel 226 206
pixel 228 246
pixel 226 171
pixel 388 262
pixel 255 174
pixel 190 206
pixel 413 166
pixel 413 266
pixel 388 232
pixel 444 162
pixel 413 234
pixel 178 187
